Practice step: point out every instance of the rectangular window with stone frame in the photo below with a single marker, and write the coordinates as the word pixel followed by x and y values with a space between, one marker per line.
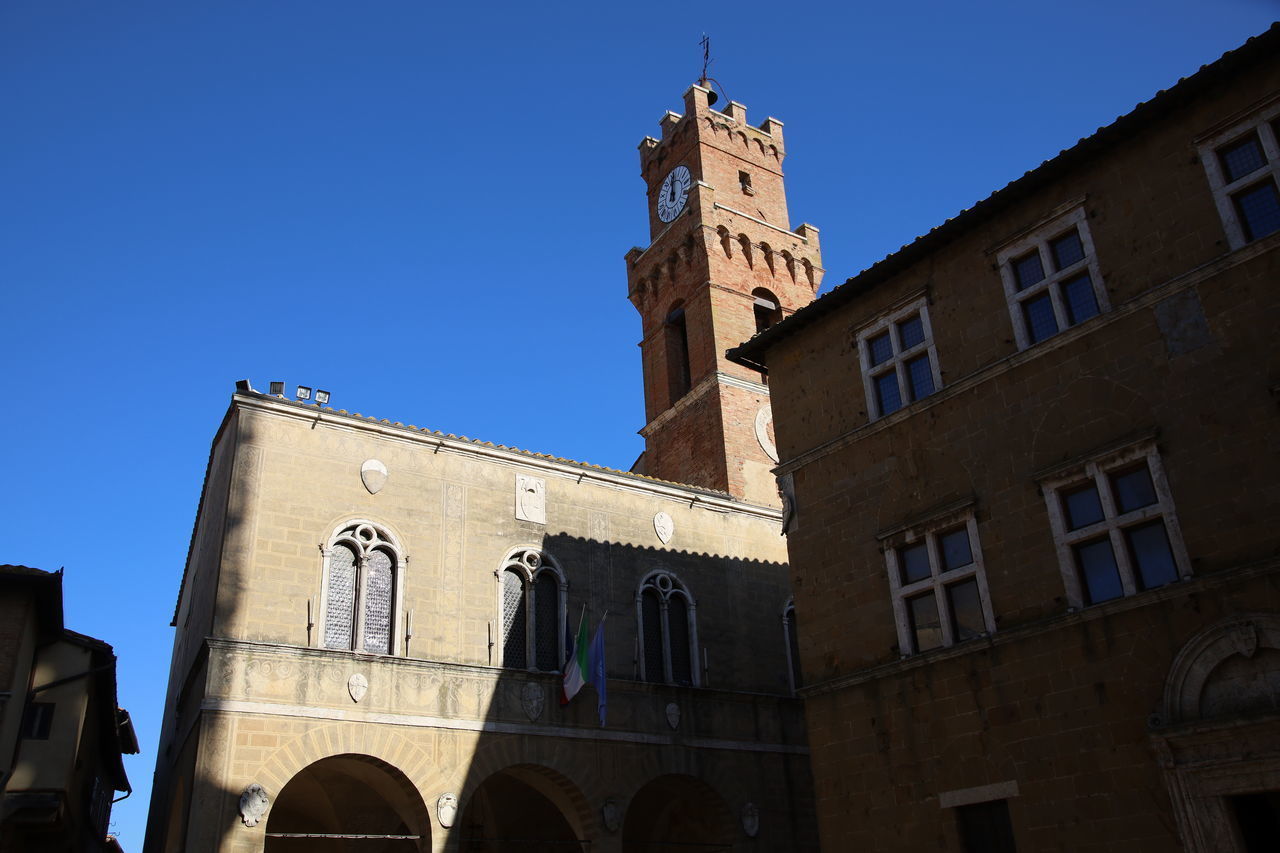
pixel 1243 167
pixel 1051 278
pixel 1114 525
pixel 938 581
pixel 899 362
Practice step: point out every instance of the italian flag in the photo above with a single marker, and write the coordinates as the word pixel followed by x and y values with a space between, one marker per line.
pixel 577 671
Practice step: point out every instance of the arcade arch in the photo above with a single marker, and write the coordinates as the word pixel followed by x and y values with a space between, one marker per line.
pixel 348 803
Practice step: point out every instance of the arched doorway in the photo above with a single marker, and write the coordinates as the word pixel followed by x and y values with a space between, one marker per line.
pixel 523 808
pixel 348 804
pixel 677 814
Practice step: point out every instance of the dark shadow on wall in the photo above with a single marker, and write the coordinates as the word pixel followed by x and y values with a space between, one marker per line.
pixel 548 777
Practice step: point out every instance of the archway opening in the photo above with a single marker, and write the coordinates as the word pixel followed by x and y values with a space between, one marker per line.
pixel 519 809
pixel 348 804
pixel 677 813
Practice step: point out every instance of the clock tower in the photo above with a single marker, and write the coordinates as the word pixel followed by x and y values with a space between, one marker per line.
pixel 722 263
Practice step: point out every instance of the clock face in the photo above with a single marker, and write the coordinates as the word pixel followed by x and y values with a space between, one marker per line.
pixel 674 193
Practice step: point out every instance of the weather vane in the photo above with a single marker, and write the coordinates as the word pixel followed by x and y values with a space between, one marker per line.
pixel 704 80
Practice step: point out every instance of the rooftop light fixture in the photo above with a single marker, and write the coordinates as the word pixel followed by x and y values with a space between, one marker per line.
pixel 304 393
pixel 322 397
pixel 277 389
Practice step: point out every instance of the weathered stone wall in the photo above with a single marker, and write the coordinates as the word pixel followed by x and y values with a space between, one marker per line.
pixel 271 701
pixel 1054 702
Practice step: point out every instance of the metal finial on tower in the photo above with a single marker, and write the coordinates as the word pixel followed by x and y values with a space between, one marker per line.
pixel 704 80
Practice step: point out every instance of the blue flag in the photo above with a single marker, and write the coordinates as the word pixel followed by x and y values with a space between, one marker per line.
pixel 595 661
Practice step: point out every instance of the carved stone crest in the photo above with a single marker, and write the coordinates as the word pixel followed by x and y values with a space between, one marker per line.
pixel 664 527
pixel 673 715
pixel 764 432
pixel 446 810
pixel 357 686
pixel 531 499
pixel 374 475
pixel 1244 638
pixel 751 820
pixel 533 700
pixel 253 804
pixel 611 814
pixel 787 491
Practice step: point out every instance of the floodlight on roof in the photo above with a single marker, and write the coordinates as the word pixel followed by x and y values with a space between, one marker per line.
pixel 322 397
pixel 277 389
pixel 304 393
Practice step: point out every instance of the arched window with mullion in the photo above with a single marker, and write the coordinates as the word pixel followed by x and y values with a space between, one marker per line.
pixel 361 577
pixel 533 597
pixel 666 616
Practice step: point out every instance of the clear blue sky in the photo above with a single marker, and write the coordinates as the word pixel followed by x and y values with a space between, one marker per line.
pixel 424 208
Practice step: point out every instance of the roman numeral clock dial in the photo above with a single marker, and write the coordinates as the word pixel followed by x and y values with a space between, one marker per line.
pixel 674 193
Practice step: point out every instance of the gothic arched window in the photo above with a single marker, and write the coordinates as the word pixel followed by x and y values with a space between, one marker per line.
pixel 667 618
pixel 792 645
pixel 362 568
pixel 533 600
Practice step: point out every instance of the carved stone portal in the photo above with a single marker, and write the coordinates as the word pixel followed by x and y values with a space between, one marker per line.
pixel 447 810
pixel 751 820
pixel 253 804
pixel 673 715
pixel 664 527
pixel 357 686
pixel 374 475
pixel 531 499
pixel 533 700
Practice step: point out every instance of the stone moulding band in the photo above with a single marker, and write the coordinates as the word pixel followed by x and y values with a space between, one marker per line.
pixel 276 709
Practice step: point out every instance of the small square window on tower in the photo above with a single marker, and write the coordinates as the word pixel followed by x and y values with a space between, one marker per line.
pixel 1243 167
pixel 744 180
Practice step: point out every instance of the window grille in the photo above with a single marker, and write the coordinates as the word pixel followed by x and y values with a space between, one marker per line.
pixel 342 593
pixel 377 603
pixel 668 630
pixel 513 619
pixel 546 599
pixel 362 566
pixel 533 591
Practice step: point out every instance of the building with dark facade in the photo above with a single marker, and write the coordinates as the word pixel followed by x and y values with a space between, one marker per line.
pixel 1033 457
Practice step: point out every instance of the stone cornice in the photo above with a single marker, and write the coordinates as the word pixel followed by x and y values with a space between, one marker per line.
pixel 437 442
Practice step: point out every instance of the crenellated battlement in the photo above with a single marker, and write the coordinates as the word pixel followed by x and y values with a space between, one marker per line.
pixel 725 129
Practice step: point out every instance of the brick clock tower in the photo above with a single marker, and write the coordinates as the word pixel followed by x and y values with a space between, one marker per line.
pixel 722 264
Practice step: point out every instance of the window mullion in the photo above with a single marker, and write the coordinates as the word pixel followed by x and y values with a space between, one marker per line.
pixel 939 591
pixel 357 619
pixel 530 619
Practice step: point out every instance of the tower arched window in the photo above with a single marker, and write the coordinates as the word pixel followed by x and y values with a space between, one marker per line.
pixel 790 638
pixel 363 565
pixel 666 615
pixel 767 309
pixel 677 347
pixel 533 592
